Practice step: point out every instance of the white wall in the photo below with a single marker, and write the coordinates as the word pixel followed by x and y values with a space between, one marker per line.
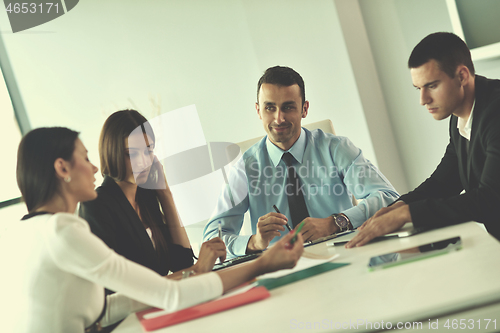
pixel 107 55
pixel 370 92
pixel 394 28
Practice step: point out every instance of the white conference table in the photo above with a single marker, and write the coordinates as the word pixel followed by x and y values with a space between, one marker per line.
pixel 460 285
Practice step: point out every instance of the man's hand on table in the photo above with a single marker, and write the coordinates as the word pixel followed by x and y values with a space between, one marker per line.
pixel 268 227
pixel 386 220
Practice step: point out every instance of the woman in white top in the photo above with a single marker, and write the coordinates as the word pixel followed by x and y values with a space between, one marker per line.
pixel 55 269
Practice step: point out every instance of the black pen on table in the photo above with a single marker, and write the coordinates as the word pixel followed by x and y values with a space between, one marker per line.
pixel 278 211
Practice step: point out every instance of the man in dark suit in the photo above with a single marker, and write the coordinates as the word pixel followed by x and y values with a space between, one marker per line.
pixel 442 70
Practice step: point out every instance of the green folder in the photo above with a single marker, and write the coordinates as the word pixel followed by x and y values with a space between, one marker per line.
pixel 272 283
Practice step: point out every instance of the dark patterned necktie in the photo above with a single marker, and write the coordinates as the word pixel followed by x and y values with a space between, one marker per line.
pixel 296 202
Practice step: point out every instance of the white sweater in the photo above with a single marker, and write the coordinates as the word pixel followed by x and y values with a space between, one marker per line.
pixel 54 271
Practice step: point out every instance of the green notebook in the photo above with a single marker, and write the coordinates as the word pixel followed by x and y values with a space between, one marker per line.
pixel 272 283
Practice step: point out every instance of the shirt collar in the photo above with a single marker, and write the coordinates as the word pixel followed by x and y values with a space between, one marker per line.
pixel 297 150
pixel 30 215
pixel 465 127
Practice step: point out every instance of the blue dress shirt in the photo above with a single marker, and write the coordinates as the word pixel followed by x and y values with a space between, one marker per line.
pixel 331 169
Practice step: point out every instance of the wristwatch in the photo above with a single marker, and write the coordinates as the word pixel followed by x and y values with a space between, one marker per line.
pixel 342 221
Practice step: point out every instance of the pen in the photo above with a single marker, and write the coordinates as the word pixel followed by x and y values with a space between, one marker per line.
pixel 345 232
pixel 278 211
pixel 294 238
pixel 220 236
pixel 340 242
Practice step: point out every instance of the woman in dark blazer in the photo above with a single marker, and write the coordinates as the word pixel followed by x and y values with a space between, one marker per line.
pixel 134 212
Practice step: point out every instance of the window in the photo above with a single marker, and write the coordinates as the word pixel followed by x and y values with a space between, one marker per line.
pixel 14 123
pixel 10 136
pixel 477 23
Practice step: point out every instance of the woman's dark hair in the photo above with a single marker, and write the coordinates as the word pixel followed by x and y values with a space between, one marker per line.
pixel 38 150
pixel 115 131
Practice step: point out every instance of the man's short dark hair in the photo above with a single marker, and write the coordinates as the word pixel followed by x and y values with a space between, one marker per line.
pixel 282 76
pixel 446 48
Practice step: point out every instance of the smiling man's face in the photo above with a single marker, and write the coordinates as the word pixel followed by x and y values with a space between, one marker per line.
pixel 281 111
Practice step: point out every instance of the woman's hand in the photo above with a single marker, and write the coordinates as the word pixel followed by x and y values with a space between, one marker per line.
pixel 166 199
pixel 209 252
pixel 282 254
pixel 156 179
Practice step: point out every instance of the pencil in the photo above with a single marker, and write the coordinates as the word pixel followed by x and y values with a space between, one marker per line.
pixel 294 238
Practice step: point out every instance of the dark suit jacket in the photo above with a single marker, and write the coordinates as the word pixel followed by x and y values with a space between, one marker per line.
pixel 437 202
pixel 113 219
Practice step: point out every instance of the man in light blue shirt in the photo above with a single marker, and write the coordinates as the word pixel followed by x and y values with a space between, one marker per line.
pixel 330 170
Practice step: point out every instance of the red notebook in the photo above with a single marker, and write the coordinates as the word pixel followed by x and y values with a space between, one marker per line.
pixel 201 310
